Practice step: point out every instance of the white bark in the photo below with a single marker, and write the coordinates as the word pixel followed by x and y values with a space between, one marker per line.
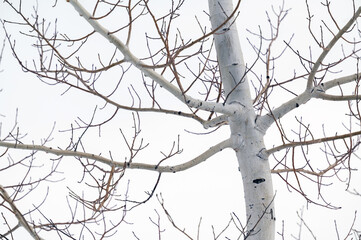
pixel 265 121
pixel 312 90
pixel 130 57
pixel 246 137
pixel 328 48
pixel 134 165
pixel 22 221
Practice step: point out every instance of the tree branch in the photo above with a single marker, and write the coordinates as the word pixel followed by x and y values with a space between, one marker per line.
pixel 267 120
pixel 327 49
pixel 18 214
pixel 310 142
pixel 153 167
pixel 329 97
pixel 220 120
pixel 340 81
pixel 129 57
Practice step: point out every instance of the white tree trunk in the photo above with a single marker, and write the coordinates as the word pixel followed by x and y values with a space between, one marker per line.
pixel 246 136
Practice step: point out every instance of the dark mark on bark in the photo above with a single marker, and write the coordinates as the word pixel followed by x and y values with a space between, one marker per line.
pixel 259 180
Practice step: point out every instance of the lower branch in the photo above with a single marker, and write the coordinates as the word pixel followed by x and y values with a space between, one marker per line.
pixel 154 167
pixel 18 214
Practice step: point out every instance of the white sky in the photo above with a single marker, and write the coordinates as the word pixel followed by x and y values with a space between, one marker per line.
pixel 211 190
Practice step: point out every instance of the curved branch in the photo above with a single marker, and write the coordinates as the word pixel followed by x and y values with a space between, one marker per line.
pixel 310 142
pixel 340 81
pixel 139 109
pixel 220 120
pixel 298 170
pixel 153 167
pixel 329 97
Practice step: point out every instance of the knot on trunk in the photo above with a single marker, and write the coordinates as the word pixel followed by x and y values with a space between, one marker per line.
pixel 262 154
pixel 238 141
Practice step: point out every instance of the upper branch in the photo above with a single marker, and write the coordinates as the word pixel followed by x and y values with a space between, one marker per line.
pixel 314 91
pixel 327 49
pixel 338 82
pixel 267 120
pixel 128 56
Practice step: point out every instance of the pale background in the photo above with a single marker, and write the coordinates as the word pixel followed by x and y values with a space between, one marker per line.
pixel 211 190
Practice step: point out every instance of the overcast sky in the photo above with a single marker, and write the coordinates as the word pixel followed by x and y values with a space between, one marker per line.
pixel 211 190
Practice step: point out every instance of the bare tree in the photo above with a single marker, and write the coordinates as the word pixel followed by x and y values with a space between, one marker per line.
pixel 195 76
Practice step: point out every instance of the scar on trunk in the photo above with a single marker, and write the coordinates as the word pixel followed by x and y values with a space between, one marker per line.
pixel 259 180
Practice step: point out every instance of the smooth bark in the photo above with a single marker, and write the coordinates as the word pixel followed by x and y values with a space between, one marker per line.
pixel 247 137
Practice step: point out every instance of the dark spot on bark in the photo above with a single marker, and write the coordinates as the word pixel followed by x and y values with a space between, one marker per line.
pixel 259 180
pixel 234 64
pixel 297 105
pixel 225 29
pixel 179 113
pixel 188 101
pixel 271 212
pixel 156 167
pixel 200 104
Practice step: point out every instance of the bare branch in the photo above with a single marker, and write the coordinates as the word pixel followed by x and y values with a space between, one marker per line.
pixel 315 141
pixel 128 55
pixel 18 214
pixel 312 91
pixel 329 46
pixel 176 168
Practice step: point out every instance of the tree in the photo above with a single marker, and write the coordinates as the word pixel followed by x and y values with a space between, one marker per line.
pixel 213 85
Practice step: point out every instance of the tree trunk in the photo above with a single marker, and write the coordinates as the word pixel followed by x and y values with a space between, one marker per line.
pixel 246 136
